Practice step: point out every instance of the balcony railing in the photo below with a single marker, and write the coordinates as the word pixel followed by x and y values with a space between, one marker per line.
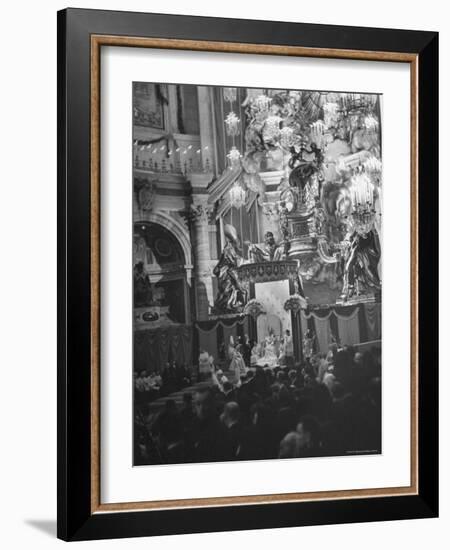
pixel 180 154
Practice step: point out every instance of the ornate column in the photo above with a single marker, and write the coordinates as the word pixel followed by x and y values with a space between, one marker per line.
pixel 200 210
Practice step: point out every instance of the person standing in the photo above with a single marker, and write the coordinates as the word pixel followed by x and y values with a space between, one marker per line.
pixel 288 348
pixel 246 351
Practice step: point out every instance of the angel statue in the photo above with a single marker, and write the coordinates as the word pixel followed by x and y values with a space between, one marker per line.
pixel 231 296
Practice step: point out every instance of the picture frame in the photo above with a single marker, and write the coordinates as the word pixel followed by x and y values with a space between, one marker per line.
pixel 81 36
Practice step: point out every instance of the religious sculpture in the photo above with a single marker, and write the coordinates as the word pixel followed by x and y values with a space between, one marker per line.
pixel 270 252
pixel 141 286
pixel 360 264
pixel 231 297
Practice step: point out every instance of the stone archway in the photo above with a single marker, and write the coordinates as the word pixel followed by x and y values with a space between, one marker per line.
pixel 162 259
pixel 161 295
pixel 172 225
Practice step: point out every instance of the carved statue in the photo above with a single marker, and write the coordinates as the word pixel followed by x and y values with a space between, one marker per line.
pixel 231 296
pixel 142 290
pixel 360 264
pixel 270 252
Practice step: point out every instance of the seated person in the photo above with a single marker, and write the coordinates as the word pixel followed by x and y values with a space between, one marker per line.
pixel 270 252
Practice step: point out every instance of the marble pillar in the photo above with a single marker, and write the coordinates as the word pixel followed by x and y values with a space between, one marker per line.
pixel 200 211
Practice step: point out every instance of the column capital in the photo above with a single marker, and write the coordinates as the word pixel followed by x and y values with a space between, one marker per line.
pixel 200 181
pixel 200 212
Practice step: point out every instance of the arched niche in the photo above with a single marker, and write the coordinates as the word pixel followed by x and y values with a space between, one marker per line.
pixel 161 257
pixel 172 225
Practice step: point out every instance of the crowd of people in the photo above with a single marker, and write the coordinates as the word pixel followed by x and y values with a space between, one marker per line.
pixel 149 386
pixel 273 350
pixel 330 405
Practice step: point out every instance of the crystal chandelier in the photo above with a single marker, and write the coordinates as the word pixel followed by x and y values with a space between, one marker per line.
pixel 237 195
pixel 372 164
pixel 362 197
pixel 233 124
pixel 234 157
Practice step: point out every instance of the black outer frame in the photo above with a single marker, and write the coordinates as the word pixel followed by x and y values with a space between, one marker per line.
pixel 75 521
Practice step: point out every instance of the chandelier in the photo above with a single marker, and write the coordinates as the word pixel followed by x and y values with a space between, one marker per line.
pixel 234 157
pixel 233 124
pixel 362 197
pixel 237 195
pixel 372 164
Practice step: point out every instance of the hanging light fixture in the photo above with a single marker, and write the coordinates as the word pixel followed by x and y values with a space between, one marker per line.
pixel 362 197
pixel 372 165
pixel 233 124
pixel 234 157
pixel 361 190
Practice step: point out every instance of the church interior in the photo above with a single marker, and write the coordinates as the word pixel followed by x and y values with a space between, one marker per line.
pixel 257 262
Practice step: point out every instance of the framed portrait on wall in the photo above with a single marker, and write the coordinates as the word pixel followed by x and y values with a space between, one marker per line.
pixel 247 274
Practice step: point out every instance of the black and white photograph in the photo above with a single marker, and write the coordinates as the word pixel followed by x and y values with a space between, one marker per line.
pixel 256 273
pixel 231 216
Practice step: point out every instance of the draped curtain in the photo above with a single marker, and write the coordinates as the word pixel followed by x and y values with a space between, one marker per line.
pixel 186 341
pixel 373 321
pixel 208 341
pixel 349 325
pixel 154 348
pixel 323 334
pixel 212 335
pixel 349 329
